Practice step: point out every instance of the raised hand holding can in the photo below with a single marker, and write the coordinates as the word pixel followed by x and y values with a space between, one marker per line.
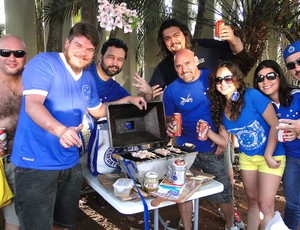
pixel 202 129
pixel 177 122
pixel 218 25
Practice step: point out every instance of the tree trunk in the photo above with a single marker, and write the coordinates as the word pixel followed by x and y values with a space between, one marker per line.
pixel 180 10
pixel 39 26
pixel 89 11
pixel 56 24
pixel 200 19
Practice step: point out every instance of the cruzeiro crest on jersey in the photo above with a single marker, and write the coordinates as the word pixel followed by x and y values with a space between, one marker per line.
pixel 86 92
pixel 251 136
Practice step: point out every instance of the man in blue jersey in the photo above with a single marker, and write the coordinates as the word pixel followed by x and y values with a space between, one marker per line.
pixel 57 90
pixel 291 56
pixel 188 95
pixel 111 61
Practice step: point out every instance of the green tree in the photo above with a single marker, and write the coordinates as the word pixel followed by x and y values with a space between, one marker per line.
pixel 255 21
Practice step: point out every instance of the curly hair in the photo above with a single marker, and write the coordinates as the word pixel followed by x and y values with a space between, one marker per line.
pixel 164 52
pixel 218 100
pixel 284 91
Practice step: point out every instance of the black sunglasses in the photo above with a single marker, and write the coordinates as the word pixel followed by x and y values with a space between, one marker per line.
pixel 292 65
pixel 17 53
pixel 270 76
pixel 228 79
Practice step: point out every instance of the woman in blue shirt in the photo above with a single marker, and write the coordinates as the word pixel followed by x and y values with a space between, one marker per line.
pixel 270 80
pixel 250 116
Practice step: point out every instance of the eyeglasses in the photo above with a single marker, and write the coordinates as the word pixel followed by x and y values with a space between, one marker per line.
pixel 228 79
pixel 292 65
pixel 270 76
pixel 17 53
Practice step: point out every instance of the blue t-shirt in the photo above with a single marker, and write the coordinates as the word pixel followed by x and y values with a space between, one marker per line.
pixel 292 112
pixel 250 128
pixel 107 90
pixel 67 98
pixel 191 100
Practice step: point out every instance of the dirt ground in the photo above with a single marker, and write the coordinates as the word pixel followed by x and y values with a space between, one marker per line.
pixel 95 213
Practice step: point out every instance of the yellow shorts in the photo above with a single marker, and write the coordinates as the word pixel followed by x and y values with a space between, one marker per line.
pixel 258 163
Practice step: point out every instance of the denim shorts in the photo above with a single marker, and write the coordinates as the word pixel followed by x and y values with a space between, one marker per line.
pixel 47 197
pixel 9 211
pixel 208 162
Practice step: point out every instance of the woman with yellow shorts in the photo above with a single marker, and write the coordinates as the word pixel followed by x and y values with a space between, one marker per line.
pixel 250 116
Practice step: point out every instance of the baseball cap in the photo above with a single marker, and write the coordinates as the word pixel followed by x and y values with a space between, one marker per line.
pixel 291 49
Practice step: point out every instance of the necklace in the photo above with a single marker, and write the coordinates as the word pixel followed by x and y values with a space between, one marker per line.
pixel 14 86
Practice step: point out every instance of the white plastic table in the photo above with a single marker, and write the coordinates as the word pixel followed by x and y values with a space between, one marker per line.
pixel 132 207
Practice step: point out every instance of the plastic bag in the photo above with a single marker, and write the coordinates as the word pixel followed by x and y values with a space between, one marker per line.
pixel 6 194
pixel 276 223
pixel 100 159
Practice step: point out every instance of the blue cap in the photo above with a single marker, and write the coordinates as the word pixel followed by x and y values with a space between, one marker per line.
pixel 291 49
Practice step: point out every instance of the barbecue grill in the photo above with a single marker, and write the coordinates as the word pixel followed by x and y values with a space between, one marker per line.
pixel 133 129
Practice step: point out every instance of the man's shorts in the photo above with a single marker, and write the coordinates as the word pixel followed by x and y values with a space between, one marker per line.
pixel 259 163
pixel 9 211
pixel 208 162
pixel 229 155
pixel 47 197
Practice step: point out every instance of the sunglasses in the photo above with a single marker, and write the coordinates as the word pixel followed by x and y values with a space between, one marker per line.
pixel 228 79
pixel 292 65
pixel 270 76
pixel 17 53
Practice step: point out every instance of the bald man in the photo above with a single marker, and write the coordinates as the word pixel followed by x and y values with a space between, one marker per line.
pixel 188 95
pixel 13 57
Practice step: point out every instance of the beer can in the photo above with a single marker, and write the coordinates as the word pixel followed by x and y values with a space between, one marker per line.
pixel 219 23
pixel 3 138
pixel 280 133
pixel 177 122
pixel 202 130
pixel 179 171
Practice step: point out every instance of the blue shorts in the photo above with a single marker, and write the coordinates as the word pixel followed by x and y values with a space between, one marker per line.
pixel 208 162
pixel 47 197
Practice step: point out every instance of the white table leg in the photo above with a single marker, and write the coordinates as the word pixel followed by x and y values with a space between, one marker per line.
pixel 156 219
pixel 196 213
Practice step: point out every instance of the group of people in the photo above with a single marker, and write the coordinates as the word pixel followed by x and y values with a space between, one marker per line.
pixel 43 166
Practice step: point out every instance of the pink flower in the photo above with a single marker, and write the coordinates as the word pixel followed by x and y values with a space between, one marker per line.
pixel 112 16
pixel 127 29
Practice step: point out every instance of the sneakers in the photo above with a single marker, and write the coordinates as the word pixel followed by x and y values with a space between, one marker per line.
pixel 237 220
pixel 232 228
pixel 180 225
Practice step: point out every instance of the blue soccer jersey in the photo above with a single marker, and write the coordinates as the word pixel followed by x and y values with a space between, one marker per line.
pixel 108 90
pixel 291 112
pixel 67 98
pixel 250 128
pixel 191 100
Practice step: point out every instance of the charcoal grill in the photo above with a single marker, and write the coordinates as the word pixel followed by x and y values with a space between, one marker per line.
pixel 131 128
